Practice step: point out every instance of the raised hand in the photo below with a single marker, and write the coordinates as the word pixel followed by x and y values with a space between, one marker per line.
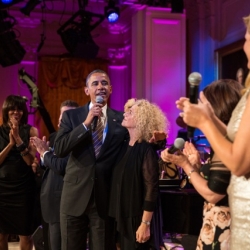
pixel 192 153
pixel 195 115
pixel 12 139
pixel 180 102
pixel 40 145
pixel 96 110
pixel 178 159
pixel 14 128
pixel 158 136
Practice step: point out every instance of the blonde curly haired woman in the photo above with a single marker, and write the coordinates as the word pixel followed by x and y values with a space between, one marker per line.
pixel 134 192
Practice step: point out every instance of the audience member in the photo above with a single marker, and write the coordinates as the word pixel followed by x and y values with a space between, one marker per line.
pixel 52 181
pixel 231 146
pixel 17 179
pixel 240 76
pixel 212 179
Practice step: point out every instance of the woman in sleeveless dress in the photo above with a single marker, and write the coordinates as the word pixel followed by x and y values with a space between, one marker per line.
pixel 17 179
pixel 231 144
pixel 212 178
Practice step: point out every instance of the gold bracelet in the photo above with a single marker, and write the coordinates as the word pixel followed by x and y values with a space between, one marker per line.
pixel 189 175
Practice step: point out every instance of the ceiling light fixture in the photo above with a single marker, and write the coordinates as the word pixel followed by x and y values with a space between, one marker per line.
pixel 31 4
pixel 6 21
pixel 11 51
pixel 112 13
pixel 76 34
pixel 7 3
pixel 177 6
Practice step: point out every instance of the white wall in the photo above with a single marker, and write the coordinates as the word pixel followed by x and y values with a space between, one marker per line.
pixel 159 60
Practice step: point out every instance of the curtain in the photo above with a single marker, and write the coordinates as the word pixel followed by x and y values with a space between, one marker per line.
pixel 60 79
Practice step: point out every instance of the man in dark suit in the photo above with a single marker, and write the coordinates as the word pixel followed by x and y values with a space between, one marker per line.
pixel 52 181
pixel 85 195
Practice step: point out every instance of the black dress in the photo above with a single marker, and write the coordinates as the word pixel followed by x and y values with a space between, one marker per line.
pixel 17 188
pixel 135 188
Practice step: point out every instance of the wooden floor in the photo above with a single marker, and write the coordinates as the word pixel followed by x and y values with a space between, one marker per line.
pixel 167 243
pixel 15 246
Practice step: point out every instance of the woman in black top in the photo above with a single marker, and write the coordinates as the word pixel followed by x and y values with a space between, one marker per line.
pixel 134 194
pixel 17 179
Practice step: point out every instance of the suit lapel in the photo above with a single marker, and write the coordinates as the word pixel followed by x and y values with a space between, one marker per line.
pixel 83 112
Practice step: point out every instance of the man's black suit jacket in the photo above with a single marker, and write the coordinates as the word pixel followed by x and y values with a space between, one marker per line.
pixel 52 183
pixel 85 173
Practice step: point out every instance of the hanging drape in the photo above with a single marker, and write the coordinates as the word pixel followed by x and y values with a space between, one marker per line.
pixel 60 79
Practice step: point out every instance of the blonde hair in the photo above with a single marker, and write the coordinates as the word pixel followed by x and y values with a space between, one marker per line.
pixel 247 23
pixel 148 117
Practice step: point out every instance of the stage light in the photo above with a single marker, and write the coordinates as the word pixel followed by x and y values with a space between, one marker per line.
pixel 7 3
pixel 112 12
pixel 76 36
pixel 177 6
pixel 79 43
pixel 11 51
pixel 31 4
pixel 6 21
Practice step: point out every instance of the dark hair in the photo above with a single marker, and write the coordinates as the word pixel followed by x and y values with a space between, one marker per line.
pixel 69 103
pixel 223 95
pixel 93 72
pixel 13 102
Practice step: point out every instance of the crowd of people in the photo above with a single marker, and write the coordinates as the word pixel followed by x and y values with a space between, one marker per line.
pixel 100 183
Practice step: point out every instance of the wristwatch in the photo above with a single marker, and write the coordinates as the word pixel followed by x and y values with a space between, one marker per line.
pixel 146 222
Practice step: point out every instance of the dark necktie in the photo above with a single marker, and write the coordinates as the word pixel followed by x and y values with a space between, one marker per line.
pixel 97 136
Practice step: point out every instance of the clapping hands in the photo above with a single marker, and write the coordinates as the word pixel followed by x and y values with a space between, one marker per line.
pixel 195 115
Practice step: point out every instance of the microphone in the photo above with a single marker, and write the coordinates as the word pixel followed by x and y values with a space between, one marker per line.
pixel 194 80
pixel 98 99
pixel 178 144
